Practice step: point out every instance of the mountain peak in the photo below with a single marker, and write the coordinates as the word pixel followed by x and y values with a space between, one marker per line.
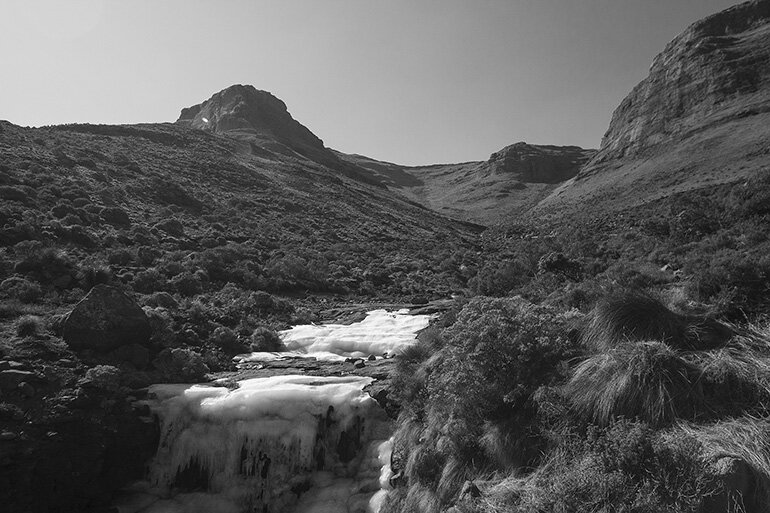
pixel 248 113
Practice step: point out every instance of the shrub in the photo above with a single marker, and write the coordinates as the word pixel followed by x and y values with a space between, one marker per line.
pixel 104 377
pixel 13 193
pixel 500 278
pixel 148 281
pixel 47 266
pixel 266 340
pixel 29 325
pixel 227 340
pixel 179 365
pixel 115 216
pixel 21 289
pixel 645 380
pixel 558 263
pixel 499 352
pixel 91 276
pixel 187 284
pixel 120 257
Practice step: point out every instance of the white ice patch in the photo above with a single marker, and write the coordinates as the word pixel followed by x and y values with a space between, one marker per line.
pixel 288 443
pixel 380 332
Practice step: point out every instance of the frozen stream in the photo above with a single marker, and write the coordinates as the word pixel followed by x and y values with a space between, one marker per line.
pixel 279 444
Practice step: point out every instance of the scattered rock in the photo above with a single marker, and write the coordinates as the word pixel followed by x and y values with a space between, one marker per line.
pixel 6 436
pixel 372 358
pixel 106 319
pixel 26 389
pixel 10 379
pixel 359 364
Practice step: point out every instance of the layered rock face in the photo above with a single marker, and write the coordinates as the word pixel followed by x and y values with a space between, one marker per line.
pixel 539 164
pixel 242 110
pixel 700 119
pixel 719 65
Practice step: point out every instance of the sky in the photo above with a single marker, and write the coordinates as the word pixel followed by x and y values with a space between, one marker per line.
pixel 406 81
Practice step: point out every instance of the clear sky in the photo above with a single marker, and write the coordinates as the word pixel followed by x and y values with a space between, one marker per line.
pixel 409 81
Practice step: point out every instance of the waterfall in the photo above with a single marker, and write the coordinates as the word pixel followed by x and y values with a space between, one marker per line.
pixel 279 444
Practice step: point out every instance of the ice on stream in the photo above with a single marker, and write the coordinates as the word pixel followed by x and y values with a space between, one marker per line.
pixel 279 444
pixel 380 332
pixel 284 443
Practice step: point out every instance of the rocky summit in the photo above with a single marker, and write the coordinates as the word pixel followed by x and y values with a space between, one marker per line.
pixel 246 113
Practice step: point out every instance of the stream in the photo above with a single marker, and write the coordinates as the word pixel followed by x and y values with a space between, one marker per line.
pixel 282 443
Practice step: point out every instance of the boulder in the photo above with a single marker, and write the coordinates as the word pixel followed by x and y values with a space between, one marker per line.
pixel 104 320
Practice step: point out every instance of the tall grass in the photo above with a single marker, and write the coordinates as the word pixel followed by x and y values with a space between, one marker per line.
pixel 633 316
pixel 646 380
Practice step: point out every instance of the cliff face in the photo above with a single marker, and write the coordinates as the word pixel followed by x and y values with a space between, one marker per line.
pixel 539 164
pixel 717 68
pixel 701 118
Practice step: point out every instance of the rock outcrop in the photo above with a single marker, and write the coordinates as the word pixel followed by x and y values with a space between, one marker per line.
pixel 539 164
pixel 700 119
pixel 105 319
pixel 243 110
pixel 719 65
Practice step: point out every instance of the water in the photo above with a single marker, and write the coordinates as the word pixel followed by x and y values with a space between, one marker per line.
pixel 279 444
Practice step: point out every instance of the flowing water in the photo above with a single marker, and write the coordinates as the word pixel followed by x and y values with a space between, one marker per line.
pixel 279 444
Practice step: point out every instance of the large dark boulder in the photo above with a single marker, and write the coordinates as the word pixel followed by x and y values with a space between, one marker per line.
pixel 104 320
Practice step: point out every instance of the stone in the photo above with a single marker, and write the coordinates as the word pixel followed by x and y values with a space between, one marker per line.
pixel 11 378
pixel 372 358
pixel 359 364
pixel 105 319
pixel 26 389
pixel 6 436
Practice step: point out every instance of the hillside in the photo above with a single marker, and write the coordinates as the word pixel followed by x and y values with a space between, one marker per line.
pixel 510 182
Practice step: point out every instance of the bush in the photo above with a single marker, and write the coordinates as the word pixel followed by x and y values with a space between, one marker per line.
pixel 180 365
pixel 104 377
pixel 187 284
pixel 120 257
pixel 21 289
pixel 266 340
pixel 48 266
pixel 227 340
pixel 148 281
pixel 498 353
pixel 29 326
pixel 557 263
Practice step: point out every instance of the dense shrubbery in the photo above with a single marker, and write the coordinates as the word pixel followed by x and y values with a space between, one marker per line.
pixel 506 389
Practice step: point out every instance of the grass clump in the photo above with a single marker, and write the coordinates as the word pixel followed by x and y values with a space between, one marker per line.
pixel 646 380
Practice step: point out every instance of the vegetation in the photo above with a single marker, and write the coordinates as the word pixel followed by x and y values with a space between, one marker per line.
pixel 507 395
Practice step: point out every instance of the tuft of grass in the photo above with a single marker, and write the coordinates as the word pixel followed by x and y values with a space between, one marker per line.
pixel 632 316
pixel 647 380
pixel 746 438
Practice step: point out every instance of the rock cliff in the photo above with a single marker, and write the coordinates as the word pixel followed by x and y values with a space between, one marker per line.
pixel 717 68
